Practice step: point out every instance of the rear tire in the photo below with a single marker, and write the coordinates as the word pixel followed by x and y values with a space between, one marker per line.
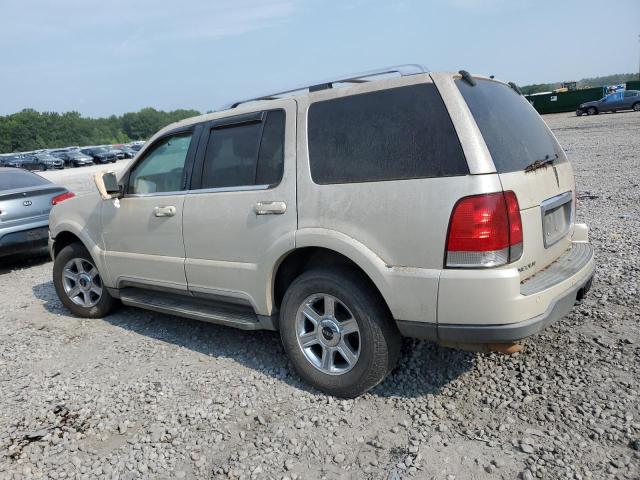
pixel 350 347
pixel 636 107
pixel 592 111
pixel 79 285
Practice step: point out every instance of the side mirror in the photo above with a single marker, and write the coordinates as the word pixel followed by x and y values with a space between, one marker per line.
pixel 107 184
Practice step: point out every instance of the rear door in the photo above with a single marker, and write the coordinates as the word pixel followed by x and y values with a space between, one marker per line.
pixel 517 138
pixel 240 215
pixel 630 97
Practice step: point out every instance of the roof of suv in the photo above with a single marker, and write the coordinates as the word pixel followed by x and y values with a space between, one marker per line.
pixel 341 81
pixel 345 81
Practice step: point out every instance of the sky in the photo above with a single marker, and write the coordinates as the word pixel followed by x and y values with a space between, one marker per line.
pixel 103 57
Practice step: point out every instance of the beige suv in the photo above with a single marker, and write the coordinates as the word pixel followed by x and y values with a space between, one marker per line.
pixel 345 215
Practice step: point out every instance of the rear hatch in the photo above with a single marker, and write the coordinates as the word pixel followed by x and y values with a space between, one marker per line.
pixel 24 198
pixel 531 163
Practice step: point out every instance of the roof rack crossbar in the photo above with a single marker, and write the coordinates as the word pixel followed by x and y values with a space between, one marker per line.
pixel 362 77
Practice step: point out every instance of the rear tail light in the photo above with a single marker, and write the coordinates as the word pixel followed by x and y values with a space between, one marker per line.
pixel 485 231
pixel 62 197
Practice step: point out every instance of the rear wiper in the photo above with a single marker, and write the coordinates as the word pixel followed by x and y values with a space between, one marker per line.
pixel 540 163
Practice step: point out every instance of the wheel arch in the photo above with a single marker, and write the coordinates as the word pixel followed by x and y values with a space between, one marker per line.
pixel 63 239
pixel 68 233
pixel 327 249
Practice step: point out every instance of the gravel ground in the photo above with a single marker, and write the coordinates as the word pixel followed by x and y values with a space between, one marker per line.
pixel 144 395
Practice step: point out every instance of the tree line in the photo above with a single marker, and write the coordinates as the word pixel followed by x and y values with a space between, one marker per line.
pixel 32 130
pixel 615 79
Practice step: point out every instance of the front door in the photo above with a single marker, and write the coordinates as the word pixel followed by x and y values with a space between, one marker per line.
pixel 143 231
pixel 240 215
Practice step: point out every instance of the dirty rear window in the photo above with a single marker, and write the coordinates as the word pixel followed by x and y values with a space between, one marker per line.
pixel 513 131
pixel 394 134
pixel 12 179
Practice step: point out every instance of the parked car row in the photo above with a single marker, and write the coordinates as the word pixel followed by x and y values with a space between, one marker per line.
pixel 70 156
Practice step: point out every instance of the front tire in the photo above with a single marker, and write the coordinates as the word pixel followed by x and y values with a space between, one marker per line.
pixel 79 285
pixel 338 332
pixel 592 111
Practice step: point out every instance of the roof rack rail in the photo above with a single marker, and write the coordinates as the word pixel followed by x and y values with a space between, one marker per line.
pixel 402 70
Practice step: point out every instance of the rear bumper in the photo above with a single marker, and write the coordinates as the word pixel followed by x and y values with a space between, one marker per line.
pixel 29 237
pixel 550 296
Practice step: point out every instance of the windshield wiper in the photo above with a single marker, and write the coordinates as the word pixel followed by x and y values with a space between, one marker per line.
pixel 540 163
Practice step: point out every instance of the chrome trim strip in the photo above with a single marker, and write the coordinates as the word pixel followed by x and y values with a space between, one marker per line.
pixel 552 204
pixel 243 188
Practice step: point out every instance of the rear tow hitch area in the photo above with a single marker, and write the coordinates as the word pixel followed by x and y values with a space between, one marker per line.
pixel 583 291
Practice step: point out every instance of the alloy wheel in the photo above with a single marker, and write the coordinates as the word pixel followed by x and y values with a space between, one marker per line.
pixel 82 282
pixel 328 334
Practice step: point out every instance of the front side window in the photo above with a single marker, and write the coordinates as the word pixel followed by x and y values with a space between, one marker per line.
pixel 395 134
pixel 246 154
pixel 162 168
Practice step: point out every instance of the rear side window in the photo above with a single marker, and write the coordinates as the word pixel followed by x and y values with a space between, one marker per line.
pixel 12 179
pixel 393 134
pixel 246 154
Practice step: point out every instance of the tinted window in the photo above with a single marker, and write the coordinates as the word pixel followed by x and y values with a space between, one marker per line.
pixel 271 156
pixel 11 179
pixel 513 131
pixel 245 154
pixel 162 168
pixel 394 134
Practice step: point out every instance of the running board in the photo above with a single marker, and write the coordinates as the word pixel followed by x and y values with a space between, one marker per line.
pixel 231 315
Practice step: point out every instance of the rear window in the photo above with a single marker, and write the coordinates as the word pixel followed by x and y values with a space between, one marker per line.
pixel 513 131
pixel 12 179
pixel 393 134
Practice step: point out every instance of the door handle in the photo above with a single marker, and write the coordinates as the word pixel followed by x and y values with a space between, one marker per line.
pixel 168 211
pixel 270 208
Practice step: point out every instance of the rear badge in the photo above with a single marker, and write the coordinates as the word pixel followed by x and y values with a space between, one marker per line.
pixel 524 268
pixel 27 203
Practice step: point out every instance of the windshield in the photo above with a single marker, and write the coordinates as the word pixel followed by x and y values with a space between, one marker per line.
pixel 513 131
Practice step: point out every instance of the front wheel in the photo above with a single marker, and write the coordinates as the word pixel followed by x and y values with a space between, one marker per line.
pixel 592 111
pixel 79 285
pixel 337 332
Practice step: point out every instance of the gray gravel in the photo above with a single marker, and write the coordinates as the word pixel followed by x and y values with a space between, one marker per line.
pixel 144 395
